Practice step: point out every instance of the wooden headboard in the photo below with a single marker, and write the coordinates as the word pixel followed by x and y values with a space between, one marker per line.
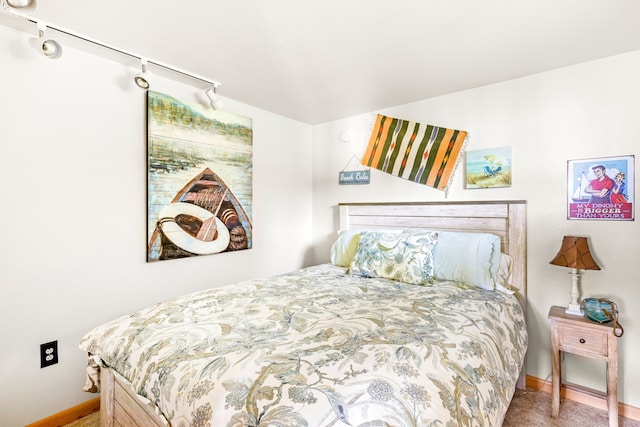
pixel 506 219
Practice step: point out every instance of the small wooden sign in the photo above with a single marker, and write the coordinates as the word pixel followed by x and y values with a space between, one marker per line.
pixel 354 177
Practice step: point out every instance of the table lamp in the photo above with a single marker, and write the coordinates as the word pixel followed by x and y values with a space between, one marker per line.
pixel 574 253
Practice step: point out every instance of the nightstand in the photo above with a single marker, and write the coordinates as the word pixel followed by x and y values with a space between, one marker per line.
pixel 578 335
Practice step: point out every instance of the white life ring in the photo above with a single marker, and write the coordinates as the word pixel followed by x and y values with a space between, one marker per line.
pixel 179 237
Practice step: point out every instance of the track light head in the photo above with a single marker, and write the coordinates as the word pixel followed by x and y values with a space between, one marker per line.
pixel 23 4
pixel 49 47
pixel 141 81
pixel 142 78
pixel 214 99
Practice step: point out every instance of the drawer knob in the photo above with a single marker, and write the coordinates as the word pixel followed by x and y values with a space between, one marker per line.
pixel 582 341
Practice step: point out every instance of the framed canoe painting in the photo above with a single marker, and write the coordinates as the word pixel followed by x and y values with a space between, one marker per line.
pixel 199 180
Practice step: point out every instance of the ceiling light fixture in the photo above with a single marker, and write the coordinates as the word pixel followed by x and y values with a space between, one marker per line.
pixel 215 101
pixel 142 78
pixel 49 47
pixel 53 49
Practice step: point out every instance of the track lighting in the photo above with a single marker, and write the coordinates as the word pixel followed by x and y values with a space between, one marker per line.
pixel 214 99
pixel 142 78
pixel 49 47
pixel 52 49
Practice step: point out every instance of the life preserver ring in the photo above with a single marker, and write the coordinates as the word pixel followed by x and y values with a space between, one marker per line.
pixel 179 237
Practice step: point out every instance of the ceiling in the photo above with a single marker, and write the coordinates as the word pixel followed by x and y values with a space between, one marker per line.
pixel 318 61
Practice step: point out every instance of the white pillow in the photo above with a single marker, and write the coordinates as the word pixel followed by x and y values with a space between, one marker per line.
pixel 472 258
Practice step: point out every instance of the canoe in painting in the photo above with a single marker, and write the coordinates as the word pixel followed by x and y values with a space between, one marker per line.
pixel 204 218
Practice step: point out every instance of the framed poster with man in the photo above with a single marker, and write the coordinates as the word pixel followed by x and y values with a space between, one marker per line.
pixel 601 188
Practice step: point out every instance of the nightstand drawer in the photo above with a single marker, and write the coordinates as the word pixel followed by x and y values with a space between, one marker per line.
pixel 582 341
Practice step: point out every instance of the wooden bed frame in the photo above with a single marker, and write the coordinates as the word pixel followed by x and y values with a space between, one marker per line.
pixel 120 406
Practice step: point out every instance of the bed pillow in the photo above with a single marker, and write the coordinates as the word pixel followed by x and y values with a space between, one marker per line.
pixel 472 258
pixel 344 248
pixel 406 257
pixel 503 280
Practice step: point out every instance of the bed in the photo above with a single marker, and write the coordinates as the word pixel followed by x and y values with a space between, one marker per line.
pixel 352 342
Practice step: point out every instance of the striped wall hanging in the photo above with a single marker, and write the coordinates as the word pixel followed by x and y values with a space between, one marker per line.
pixel 417 152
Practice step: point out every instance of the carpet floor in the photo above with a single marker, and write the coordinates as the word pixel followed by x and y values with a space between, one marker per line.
pixel 532 408
pixel 92 420
pixel 528 409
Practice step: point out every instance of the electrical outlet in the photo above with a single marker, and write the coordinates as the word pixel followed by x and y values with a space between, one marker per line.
pixel 48 354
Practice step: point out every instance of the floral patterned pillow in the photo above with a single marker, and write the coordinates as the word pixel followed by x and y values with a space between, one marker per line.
pixel 405 257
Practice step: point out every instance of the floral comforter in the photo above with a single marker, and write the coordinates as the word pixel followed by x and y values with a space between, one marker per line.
pixel 318 347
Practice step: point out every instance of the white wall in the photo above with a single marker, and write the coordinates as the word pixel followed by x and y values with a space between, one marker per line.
pixel 73 215
pixel 579 112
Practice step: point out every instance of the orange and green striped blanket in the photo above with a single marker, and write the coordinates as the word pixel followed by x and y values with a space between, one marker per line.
pixel 421 153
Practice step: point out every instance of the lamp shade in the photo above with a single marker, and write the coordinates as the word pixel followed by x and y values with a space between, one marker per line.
pixel 574 253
